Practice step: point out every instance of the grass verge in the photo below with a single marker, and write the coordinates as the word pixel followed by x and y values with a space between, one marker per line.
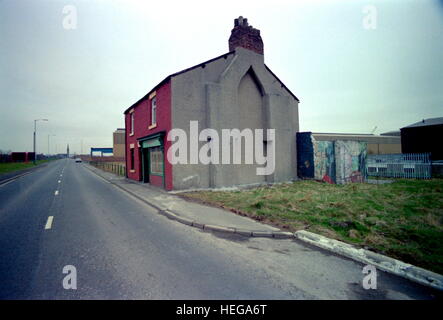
pixel 403 220
pixel 15 166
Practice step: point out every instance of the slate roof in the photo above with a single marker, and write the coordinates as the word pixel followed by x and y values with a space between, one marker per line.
pixel 203 64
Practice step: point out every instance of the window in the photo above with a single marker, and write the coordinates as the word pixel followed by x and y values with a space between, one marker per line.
pixel 156 160
pixel 132 159
pixel 132 123
pixel 154 111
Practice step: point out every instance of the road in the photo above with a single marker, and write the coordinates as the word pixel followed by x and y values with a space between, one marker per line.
pixel 123 249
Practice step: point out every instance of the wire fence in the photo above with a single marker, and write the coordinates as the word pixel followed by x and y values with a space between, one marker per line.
pixel 116 168
pixel 407 165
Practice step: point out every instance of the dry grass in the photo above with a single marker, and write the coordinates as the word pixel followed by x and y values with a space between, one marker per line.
pixel 403 219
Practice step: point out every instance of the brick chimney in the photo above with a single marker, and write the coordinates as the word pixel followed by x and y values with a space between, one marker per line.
pixel 245 36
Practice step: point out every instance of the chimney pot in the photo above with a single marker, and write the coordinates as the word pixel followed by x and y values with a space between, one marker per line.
pixel 245 36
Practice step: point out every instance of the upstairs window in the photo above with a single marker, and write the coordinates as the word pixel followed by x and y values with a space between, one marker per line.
pixel 154 111
pixel 132 124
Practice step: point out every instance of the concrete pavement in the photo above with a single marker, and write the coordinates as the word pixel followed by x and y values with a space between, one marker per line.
pixel 177 208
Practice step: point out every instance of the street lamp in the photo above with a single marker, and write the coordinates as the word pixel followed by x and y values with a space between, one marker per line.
pixel 35 133
pixel 50 135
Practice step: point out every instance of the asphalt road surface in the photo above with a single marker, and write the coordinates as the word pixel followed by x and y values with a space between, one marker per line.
pixel 123 249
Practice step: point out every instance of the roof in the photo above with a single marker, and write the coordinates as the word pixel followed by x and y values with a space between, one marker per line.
pixel 369 138
pixel 282 84
pixel 426 122
pixel 342 134
pixel 203 64
pixel 165 80
pixel 391 133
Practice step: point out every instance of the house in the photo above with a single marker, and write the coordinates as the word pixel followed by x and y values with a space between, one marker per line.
pixel 423 137
pixel 235 90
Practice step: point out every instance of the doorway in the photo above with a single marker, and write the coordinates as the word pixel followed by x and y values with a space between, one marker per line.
pixel 145 165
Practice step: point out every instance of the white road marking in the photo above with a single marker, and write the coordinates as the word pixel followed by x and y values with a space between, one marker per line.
pixel 49 222
pixel 56 193
pixel 59 181
pixel 4 184
pixel 8 181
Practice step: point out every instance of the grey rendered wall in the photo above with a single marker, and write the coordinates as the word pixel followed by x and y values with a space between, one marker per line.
pixel 210 95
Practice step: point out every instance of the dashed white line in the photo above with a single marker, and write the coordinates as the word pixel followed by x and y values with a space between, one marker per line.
pixel 56 193
pixel 59 181
pixel 49 222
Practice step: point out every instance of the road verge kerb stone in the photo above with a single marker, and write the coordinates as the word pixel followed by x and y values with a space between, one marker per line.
pixel 380 261
pixel 219 228
pixel 283 235
pixel 262 234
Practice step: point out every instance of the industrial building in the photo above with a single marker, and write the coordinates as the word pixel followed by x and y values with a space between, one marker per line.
pixel 423 137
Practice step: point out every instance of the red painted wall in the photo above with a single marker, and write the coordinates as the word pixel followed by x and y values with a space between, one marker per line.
pixel 142 120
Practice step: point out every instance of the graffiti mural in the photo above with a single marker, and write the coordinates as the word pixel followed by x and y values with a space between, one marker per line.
pixel 336 161
pixel 350 157
pixel 305 155
pixel 324 161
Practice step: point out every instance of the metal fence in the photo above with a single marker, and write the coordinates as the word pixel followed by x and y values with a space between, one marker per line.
pixel 116 168
pixel 407 165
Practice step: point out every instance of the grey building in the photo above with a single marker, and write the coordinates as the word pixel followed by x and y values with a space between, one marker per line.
pixel 236 90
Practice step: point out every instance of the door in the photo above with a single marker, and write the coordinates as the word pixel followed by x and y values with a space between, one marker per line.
pixel 145 165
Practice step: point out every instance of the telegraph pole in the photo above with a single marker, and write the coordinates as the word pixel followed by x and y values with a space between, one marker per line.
pixel 35 133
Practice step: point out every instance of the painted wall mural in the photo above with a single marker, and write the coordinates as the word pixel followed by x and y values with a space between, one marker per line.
pixel 350 157
pixel 331 161
pixel 324 161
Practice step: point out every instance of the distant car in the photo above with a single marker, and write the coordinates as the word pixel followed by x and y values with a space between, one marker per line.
pixel 78 160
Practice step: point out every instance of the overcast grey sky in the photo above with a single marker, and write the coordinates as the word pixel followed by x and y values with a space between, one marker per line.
pixel 348 78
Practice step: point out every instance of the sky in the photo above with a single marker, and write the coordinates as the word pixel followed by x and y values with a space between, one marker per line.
pixel 356 66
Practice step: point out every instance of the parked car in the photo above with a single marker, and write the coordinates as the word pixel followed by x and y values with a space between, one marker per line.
pixel 78 160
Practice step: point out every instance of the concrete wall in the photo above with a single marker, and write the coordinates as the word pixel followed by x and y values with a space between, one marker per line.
pixel 235 92
pixel 324 161
pixel 337 161
pixel 350 159
pixel 376 144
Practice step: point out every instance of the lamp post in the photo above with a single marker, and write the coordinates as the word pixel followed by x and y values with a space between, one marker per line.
pixel 50 135
pixel 35 133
